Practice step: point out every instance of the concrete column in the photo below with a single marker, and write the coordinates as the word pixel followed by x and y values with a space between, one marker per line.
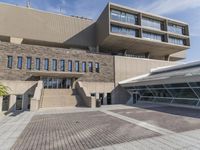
pixel 12 103
pixel 1 100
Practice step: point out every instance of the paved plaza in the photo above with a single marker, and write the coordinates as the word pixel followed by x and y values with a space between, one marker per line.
pixel 116 127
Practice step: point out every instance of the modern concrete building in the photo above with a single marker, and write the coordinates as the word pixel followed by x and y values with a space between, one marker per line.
pixel 52 60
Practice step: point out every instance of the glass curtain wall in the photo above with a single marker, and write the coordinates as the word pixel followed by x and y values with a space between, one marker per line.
pixel 124 17
pixel 181 93
pixel 176 29
pixel 124 31
pixel 148 22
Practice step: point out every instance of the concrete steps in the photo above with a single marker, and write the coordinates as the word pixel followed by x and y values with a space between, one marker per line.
pixel 60 98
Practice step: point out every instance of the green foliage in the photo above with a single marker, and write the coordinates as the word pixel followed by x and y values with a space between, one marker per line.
pixel 3 90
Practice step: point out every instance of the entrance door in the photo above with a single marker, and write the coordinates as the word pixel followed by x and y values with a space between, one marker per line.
pixel 101 96
pixel 29 101
pixel 5 103
pixel 109 98
pixel 136 97
pixel 19 102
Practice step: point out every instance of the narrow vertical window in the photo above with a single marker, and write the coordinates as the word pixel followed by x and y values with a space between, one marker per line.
pixel 62 65
pixel 28 63
pixel 83 66
pixel 19 62
pixel 70 65
pixel 90 66
pixel 97 68
pixel 10 62
pixel 77 66
pixel 54 64
pixel 37 63
pixel 46 64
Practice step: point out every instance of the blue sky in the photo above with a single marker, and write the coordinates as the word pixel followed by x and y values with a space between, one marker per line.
pixel 184 10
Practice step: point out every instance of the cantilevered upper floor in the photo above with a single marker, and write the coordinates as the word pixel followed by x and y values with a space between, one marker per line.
pixel 135 32
pixel 119 30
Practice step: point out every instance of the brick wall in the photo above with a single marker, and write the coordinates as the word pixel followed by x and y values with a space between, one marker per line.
pixel 106 73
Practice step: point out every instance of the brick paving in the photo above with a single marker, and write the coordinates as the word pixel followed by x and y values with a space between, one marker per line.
pixel 176 119
pixel 78 131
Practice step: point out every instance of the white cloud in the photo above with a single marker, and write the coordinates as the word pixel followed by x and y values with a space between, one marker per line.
pixel 171 6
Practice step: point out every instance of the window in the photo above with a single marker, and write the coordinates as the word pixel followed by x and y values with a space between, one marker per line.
pixel 176 29
pixel 19 62
pixel 46 64
pixel 77 66
pixel 176 41
pixel 151 23
pixel 125 31
pixel 37 63
pixel 83 66
pixel 124 17
pixel 90 66
pixel 5 103
pixel 62 65
pixel 28 63
pixel 152 36
pixel 97 67
pixel 54 65
pixel 10 61
pixel 70 65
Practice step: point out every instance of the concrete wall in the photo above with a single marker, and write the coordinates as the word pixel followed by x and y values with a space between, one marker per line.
pixel 24 88
pixel 128 67
pixel 31 24
pixel 106 73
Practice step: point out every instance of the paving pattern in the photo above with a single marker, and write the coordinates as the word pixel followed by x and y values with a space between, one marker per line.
pixel 78 131
pixel 117 127
pixel 172 118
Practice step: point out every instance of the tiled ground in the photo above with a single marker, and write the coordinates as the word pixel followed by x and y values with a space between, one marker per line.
pixel 172 118
pixel 78 131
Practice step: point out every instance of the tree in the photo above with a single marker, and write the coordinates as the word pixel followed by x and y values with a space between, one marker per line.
pixel 3 90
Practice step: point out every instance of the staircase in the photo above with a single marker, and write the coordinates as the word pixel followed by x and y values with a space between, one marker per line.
pixel 60 98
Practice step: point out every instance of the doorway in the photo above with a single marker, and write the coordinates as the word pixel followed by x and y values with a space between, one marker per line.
pixel 5 103
pixel 19 102
pixel 101 96
pixel 109 100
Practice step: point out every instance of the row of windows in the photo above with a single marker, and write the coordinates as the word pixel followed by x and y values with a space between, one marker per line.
pixel 152 23
pixel 54 65
pixel 176 41
pixel 122 30
pixel 124 17
pixel 152 36
pixel 176 29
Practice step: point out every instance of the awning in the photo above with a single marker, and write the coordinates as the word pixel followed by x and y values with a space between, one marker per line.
pixel 55 74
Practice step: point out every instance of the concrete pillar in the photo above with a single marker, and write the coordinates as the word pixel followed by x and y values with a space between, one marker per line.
pixel 105 99
pixel 12 103
pixel 1 100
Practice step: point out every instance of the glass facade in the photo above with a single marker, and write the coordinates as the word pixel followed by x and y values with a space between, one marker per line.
pixel 176 29
pixel 54 65
pixel 37 63
pixel 152 36
pixel 148 22
pixel 124 31
pixel 180 93
pixel 62 65
pixel 124 17
pixel 28 63
pixel 19 62
pixel 10 62
pixel 46 64
pixel 176 41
